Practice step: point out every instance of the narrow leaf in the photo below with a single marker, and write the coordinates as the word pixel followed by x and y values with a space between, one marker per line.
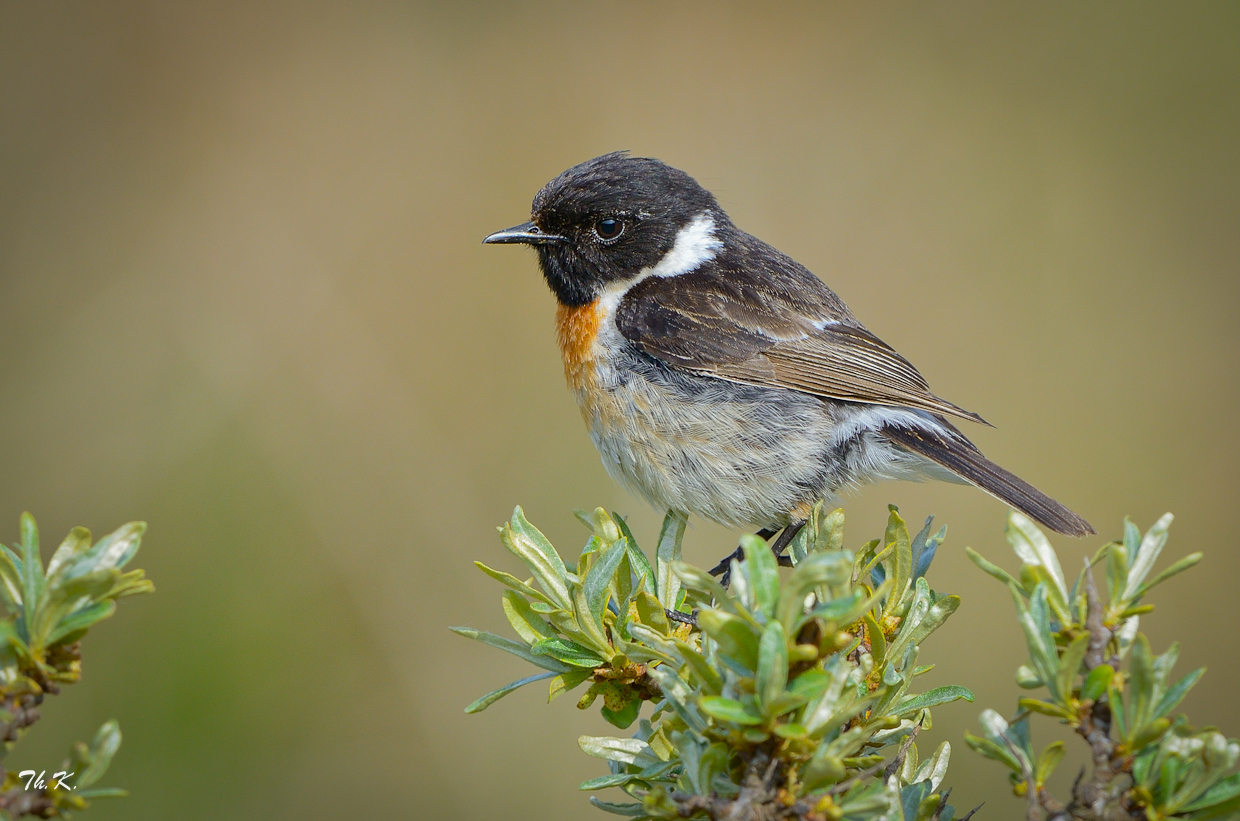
pixel 763 573
pixel 730 710
pixel 1070 665
pixel 1047 762
pixel 598 580
pixel 494 696
pixel 933 698
pixel 668 553
pixel 569 652
pixel 1032 547
pixel 516 648
pixel 1143 562
pixel 772 673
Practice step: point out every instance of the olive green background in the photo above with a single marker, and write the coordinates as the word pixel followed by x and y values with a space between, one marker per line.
pixel 242 297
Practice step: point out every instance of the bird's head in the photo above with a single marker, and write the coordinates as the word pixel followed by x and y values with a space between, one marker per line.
pixel 610 218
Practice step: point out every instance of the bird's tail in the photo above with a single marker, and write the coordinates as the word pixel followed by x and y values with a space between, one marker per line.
pixel 958 454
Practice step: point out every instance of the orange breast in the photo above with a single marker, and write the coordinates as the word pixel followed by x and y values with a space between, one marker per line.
pixel 576 329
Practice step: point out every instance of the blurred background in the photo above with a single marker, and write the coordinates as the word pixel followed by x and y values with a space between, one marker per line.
pixel 242 297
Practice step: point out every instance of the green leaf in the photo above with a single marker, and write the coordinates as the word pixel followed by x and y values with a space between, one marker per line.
pixel 1117 573
pixel 1141 680
pixel 91 764
pixel 630 809
pixel 1176 694
pixel 605 781
pixel 935 616
pixel 1174 570
pixel 697 579
pixel 711 682
pixel 832 568
pixel 641 565
pixel 651 613
pixel 77 542
pixel 994 751
pixel 932 698
pixel 1047 762
pixel 112 551
pixel 1150 733
pixel 874 635
pixel 992 569
pixel 592 633
pixel 902 558
pixel 918 609
pixel 652 642
pixel 1046 708
pixel 1222 792
pixel 564 682
pixel 569 652
pixel 32 566
pixel 667 555
pixel 1033 621
pixel 622 717
pixel 1027 678
pixel 523 619
pixel 516 648
pixel 735 637
pixel 623 750
pixel 513 582
pixel 791 730
pixel 1096 682
pixel 81 620
pixel 1143 562
pixel 1033 548
pixel 730 710
pixel 772 673
pixel 831 531
pixel 763 573
pixel 530 546
pixel 598 579
pixel 1069 665
pixel 495 695
pixel 679 696
pixel 934 768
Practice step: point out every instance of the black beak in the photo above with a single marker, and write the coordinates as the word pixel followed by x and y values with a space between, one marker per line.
pixel 526 233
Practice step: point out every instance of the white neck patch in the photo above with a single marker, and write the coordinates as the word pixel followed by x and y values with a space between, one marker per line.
pixel 695 243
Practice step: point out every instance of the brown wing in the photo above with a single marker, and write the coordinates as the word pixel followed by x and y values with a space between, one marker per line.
pixel 780 328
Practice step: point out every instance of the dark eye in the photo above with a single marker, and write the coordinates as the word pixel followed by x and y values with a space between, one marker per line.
pixel 609 228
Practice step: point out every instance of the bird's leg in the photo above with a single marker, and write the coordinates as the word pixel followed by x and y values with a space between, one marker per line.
pixel 785 538
pixel 739 553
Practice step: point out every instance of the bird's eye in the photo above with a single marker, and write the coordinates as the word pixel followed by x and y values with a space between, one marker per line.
pixel 609 228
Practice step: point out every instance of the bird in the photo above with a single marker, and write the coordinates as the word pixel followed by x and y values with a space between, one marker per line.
pixel 720 378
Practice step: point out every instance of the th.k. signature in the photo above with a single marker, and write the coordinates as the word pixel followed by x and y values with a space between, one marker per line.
pixel 35 780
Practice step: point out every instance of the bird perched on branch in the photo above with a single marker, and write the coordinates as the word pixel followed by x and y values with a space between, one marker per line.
pixel 721 378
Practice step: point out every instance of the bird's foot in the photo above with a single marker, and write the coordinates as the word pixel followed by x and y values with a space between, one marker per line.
pixel 724 568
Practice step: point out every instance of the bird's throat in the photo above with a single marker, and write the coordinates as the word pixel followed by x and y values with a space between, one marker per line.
pixel 577 327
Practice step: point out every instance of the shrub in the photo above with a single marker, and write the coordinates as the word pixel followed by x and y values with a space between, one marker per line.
pixel 795 696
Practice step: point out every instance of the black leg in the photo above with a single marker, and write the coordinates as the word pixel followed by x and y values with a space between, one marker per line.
pixel 781 544
pixel 785 538
pixel 765 534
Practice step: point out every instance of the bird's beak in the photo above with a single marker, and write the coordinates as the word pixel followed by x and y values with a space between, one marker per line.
pixel 526 233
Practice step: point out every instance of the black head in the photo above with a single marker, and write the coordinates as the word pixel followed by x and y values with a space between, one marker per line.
pixel 606 219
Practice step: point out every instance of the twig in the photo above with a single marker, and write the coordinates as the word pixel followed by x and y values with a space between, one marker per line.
pixel 898 761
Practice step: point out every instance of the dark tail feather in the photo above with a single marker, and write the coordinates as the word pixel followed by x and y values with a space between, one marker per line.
pixel 958 455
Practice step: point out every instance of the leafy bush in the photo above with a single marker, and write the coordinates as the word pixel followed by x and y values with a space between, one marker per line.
pixel 1103 680
pixel 774 698
pixel 794 697
pixel 47 612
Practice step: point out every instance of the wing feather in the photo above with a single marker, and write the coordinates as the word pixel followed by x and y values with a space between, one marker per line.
pixel 785 329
